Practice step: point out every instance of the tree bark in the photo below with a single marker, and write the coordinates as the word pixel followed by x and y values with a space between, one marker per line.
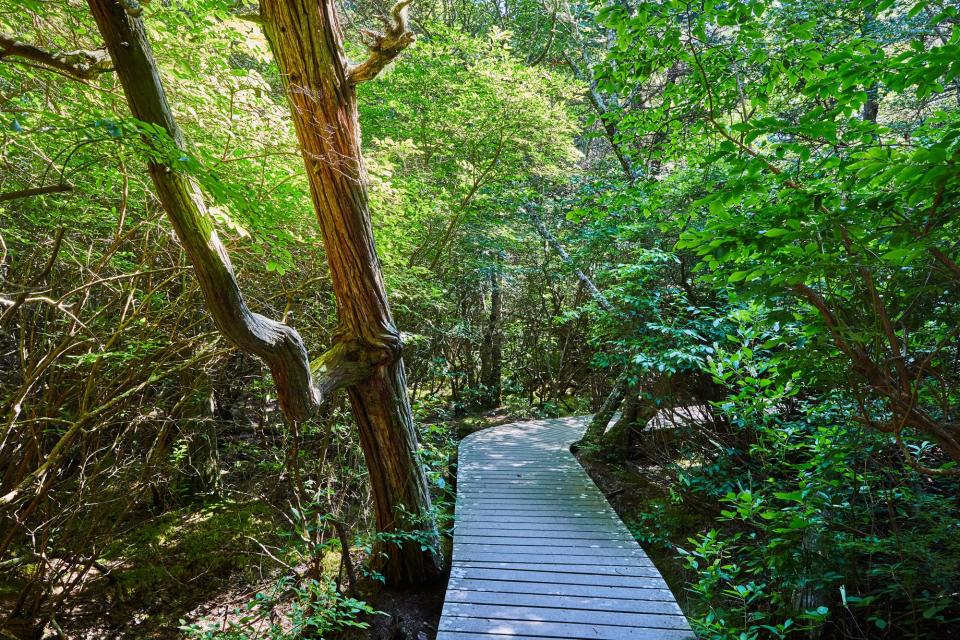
pixel 276 344
pixel 638 410
pixel 611 133
pixel 82 65
pixel 307 41
pixel 871 107
pixel 198 423
pixel 593 434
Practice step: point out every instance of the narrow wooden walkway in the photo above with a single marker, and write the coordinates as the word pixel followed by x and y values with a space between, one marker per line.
pixel 539 553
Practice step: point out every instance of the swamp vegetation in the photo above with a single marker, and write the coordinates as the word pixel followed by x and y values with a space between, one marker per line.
pixel 263 265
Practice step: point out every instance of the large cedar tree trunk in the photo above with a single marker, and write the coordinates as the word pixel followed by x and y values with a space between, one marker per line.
pixel 366 355
pixel 306 40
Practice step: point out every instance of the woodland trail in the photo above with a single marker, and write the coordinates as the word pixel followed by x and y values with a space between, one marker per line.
pixel 539 553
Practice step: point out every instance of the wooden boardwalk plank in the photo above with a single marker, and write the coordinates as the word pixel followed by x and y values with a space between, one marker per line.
pixel 646 571
pixel 564 602
pixel 539 553
pixel 559 614
pixel 571 630
pixel 544 558
pixel 560 589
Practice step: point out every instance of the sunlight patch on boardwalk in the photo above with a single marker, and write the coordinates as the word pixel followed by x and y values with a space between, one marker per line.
pixel 539 553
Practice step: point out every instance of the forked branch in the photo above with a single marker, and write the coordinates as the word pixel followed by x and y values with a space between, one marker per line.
pixel 384 47
pixel 301 386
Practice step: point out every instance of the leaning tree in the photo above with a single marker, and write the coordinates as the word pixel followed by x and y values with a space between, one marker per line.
pixel 365 358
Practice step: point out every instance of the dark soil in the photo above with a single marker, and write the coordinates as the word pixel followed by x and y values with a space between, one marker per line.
pixel 412 614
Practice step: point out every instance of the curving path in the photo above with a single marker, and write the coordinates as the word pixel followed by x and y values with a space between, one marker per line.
pixel 539 553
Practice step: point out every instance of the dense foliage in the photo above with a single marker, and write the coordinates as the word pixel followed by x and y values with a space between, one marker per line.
pixel 731 226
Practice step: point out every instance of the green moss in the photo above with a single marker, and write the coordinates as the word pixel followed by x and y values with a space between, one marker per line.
pixel 183 544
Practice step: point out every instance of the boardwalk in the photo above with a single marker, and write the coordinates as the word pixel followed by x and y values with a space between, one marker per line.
pixel 538 552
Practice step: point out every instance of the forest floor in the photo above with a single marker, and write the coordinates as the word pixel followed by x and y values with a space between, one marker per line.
pixel 211 575
pixel 209 562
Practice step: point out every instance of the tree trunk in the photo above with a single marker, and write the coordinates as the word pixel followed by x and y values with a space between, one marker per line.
pixel 366 354
pixel 278 345
pixel 593 434
pixel 612 135
pixel 306 40
pixel 638 410
pixel 492 353
pixel 199 426
pixel 871 107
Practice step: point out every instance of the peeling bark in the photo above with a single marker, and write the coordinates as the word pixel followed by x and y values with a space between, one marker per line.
pixel 320 83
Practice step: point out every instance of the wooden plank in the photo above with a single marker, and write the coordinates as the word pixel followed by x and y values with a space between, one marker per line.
pixel 549 577
pixel 573 510
pixel 500 492
pixel 510 485
pixel 648 571
pixel 544 521
pixel 613 552
pixel 578 590
pixel 556 530
pixel 602 542
pixel 499 475
pixel 555 499
pixel 547 537
pixel 516 502
pixel 468 555
pixel 539 553
pixel 565 602
pixel 573 631
pixel 462 635
pixel 558 614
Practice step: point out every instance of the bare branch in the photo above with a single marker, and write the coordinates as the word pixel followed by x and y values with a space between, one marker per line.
pixel 82 65
pixel 35 191
pixel 37 279
pixel 551 239
pixel 384 47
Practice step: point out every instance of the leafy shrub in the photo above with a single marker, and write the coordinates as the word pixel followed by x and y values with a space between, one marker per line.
pixel 819 523
pixel 310 611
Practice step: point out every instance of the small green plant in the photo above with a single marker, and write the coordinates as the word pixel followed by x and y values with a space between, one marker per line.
pixel 648 527
pixel 288 611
